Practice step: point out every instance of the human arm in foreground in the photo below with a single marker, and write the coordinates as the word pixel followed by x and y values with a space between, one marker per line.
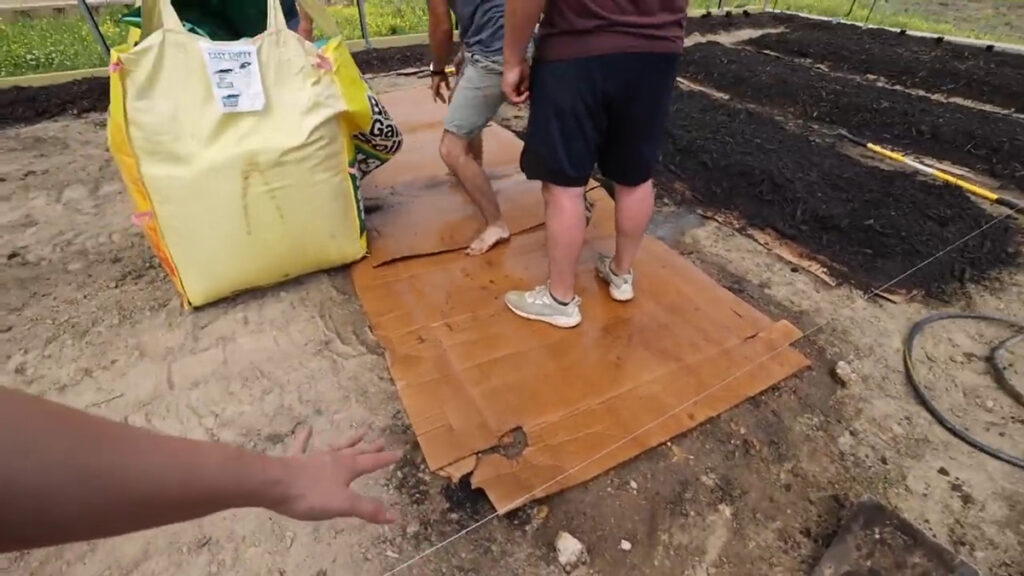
pixel 441 44
pixel 67 476
pixel 521 17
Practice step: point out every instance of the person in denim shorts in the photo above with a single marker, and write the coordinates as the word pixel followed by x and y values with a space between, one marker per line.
pixel 473 102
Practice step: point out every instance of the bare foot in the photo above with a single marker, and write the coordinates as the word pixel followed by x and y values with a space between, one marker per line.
pixel 488 238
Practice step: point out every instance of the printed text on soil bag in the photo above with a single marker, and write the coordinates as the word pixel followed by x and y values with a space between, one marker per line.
pixel 234 74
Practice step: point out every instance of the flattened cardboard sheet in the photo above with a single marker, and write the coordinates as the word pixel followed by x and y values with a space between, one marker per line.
pixel 472 375
pixel 415 193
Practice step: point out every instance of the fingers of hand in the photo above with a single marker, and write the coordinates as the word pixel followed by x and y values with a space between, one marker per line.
pixel 372 461
pixel 516 96
pixel 520 97
pixel 509 90
pixel 369 448
pixel 371 510
pixel 438 93
pixel 350 441
pixel 301 442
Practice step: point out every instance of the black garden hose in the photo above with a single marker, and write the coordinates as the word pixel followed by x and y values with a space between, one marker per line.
pixel 995 361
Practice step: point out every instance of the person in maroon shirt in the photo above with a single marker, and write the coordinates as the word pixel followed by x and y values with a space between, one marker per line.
pixel 599 92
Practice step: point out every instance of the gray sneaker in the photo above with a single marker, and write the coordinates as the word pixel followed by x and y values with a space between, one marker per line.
pixel 619 287
pixel 538 304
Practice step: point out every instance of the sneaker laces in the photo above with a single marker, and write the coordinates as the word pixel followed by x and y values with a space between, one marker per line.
pixel 540 295
pixel 606 263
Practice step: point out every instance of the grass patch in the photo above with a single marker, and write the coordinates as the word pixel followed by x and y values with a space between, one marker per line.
pixel 990 20
pixel 60 43
pixel 883 15
pixel 55 44
pixel 383 18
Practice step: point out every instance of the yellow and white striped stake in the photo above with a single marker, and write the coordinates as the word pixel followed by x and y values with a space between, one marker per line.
pixel 969 187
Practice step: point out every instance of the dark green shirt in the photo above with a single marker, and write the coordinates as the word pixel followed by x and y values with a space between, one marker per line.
pixel 231 19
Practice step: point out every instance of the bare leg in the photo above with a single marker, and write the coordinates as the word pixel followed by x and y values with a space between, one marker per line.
pixel 476 149
pixel 634 206
pixel 565 223
pixel 455 151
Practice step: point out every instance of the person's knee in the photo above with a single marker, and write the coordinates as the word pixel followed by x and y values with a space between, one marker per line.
pixel 453 149
pixel 562 196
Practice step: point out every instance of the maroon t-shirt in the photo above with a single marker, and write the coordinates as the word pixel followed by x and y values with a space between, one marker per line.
pixel 581 28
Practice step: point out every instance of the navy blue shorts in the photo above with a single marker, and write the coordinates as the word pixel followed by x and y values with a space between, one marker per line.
pixel 606 110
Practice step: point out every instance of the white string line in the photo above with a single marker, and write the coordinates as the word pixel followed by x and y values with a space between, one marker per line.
pixel 700 396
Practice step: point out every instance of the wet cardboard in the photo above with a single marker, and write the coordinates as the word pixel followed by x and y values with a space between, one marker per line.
pixel 435 214
pixel 529 409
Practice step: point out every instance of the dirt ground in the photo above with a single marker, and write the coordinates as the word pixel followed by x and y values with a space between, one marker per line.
pixel 90 320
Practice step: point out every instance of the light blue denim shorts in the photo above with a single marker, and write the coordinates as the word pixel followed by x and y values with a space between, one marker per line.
pixel 476 98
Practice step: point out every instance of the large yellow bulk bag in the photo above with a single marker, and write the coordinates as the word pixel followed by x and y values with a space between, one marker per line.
pixel 243 158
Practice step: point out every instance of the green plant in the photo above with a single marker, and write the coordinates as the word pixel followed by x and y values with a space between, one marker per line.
pixel 383 18
pixel 55 44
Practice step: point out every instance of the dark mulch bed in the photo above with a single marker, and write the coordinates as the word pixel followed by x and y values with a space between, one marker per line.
pixel 23 105
pixel 875 224
pixel 378 60
pixel 942 68
pixel 985 141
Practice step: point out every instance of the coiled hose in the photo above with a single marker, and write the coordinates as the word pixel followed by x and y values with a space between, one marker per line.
pixel 995 361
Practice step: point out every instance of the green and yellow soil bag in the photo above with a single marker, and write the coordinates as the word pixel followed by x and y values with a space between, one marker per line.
pixel 244 158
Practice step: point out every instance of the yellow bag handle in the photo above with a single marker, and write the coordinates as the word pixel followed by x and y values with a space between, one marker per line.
pixel 157 15
pixel 275 16
pixel 320 17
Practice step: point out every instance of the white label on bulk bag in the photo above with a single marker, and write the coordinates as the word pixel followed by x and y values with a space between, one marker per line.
pixel 235 76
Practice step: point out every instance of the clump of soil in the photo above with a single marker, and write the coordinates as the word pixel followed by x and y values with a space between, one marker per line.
pixel 976 139
pixel 995 78
pixel 466 501
pixel 29 105
pixel 874 224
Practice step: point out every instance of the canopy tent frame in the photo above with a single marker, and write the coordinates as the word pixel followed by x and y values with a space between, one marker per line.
pixel 94 28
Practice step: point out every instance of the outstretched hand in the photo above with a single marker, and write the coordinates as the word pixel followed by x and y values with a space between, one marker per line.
pixel 318 484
